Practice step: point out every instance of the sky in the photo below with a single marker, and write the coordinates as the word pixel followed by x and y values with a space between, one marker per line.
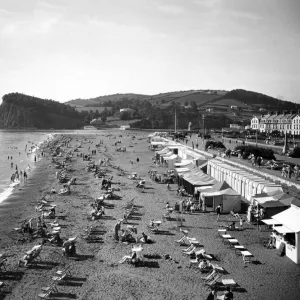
pixel 68 49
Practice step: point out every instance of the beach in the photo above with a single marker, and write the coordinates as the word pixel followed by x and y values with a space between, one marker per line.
pixel 95 273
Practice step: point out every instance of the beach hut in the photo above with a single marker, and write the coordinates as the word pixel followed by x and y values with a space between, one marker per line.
pixel 196 178
pixel 287 236
pixel 229 199
pixel 170 160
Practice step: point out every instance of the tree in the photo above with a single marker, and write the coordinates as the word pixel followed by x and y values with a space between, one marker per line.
pixel 193 105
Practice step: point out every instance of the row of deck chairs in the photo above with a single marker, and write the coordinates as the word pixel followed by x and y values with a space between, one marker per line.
pixel 213 278
pixel 129 210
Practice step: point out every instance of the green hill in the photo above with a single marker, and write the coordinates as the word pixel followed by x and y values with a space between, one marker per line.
pixel 22 111
pixel 98 101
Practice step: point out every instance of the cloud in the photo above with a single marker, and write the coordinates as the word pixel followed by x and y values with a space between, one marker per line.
pixel 171 9
pixel 246 15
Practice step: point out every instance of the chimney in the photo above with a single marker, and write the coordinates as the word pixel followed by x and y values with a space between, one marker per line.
pixel 292 112
pixel 277 113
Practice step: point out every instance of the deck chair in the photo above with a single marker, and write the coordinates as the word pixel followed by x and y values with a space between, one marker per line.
pixel 66 271
pixel 58 279
pixel 181 240
pixel 191 240
pixel 50 288
pixel 189 248
pixel 45 295
pixel 229 282
pixel 191 251
pixel 209 276
pixel 213 281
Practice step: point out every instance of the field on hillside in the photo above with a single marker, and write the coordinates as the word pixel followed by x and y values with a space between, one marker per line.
pixel 199 98
pixel 101 99
pixel 92 108
pixel 229 102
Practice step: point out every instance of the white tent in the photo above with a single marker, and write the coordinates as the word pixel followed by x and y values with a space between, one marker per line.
pixel 289 233
pixel 183 163
pixel 228 198
pixel 171 160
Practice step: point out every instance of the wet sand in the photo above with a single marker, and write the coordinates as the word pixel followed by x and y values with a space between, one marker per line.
pixel 95 274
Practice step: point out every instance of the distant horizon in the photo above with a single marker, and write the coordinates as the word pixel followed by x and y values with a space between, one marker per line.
pixel 69 49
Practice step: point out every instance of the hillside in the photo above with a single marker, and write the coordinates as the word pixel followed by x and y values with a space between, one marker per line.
pixel 98 101
pixel 22 111
pixel 258 100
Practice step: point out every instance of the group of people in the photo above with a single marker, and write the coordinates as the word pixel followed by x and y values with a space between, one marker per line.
pixel 255 160
pixel 287 171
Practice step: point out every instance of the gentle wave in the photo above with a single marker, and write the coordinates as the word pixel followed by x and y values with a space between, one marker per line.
pixel 8 191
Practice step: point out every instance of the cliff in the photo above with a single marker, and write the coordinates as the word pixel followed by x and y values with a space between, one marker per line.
pixel 22 111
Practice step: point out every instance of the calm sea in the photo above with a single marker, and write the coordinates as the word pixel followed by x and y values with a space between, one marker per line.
pixel 13 150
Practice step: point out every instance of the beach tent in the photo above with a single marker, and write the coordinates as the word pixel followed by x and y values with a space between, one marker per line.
pixel 273 207
pixel 261 200
pixel 170 160
pixel 163 151
pixel 288 235
pixel 183 163
pixel 195 178
pixel 220 186
pixel 229 199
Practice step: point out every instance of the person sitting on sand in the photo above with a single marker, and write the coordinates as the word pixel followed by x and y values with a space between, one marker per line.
pixel 53 191
pixel 145 239
pixel 234 214
pixel 126 237
pixel 56 239
pixel 128 258
pixel 228 295
pixel 204 264
pixel 69 248
pixel 52 212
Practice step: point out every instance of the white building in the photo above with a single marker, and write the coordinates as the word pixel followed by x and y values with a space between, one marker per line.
pixel 283 122
pixel 236 126
pixel 125 109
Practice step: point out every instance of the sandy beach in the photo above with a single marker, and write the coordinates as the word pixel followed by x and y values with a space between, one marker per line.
pixel 95 273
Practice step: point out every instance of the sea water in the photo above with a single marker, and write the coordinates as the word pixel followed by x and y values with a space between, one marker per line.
pixel 13 150
pixel 18 148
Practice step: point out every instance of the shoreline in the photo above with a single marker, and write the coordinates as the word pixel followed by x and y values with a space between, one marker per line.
pixel 9 190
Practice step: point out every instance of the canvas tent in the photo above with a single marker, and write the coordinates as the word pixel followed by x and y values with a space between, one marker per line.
pixel 289 233
pixel 227 197
pixel 195 178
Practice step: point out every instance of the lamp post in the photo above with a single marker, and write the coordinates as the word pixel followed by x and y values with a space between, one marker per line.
pixel 256 138
pixel 203 118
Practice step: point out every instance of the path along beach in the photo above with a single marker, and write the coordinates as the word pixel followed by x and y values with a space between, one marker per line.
pixel 95 273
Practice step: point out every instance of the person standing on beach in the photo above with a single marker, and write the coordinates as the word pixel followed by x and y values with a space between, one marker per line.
pixel 25 175
pixel 35 158
pixel 218 210
pixel 117 228
pixel 137 160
